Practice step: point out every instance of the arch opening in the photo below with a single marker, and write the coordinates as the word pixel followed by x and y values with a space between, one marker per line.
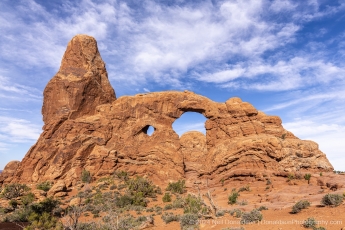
pixel 190 121
pixel 149 130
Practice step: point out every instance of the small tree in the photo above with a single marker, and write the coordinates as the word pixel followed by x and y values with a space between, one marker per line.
pixel 86 176
pixel 233 197
pixel 307 177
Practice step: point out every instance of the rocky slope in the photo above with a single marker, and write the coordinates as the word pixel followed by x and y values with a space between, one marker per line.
pixel 86 127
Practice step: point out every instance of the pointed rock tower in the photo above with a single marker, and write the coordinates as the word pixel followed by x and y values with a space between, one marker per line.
pixel 80 85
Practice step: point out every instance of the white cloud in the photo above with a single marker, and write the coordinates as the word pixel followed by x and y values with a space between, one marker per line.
pixel 11 90
pixel 18 130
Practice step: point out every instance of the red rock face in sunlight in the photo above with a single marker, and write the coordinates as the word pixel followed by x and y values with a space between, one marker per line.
pixel 86 127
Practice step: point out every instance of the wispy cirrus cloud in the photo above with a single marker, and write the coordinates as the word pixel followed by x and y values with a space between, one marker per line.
pixel 18 130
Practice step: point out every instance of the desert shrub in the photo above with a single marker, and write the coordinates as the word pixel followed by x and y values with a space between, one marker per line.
pixel 235 212
pixel 319 228
pixel 15 190
pixel 129 222
pixel 178 202
pixel 136 199
pixel 122 175
pixel 233 197
pixel 47 205
pixel 142 185
pixel 19 215
pixel 27 199
pixel 242 189
pixel 86 176
pixel 188 221
pixel 177 187
pixel 166 197
pixel 45 186
pixel 307 177
pixel 13 203
pixel 170 217
pixel 262 208
pixel 302 204
pixel 168 207
pixel 41 221
pixel 220 213
pixel 252 216
pixel 310 223
pixel 267 187
pixel 332 200
pixel 194 205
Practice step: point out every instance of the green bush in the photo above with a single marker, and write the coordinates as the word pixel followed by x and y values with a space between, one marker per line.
pixel 168 207
pixel 170 217
pixel 166 197
pixel 252 216
pixel 310 223
pixel 122 175
pixel 86 176
pixel 302 204
pixel 125 200
pixel 178 202
pixel 47 205
pixel 13 204
pixel 177 187
pixel 41 221
pixel 27 199
pixel 262 208
pixel 307 177
pixel 15 190
pixel 194 205
pixel 45 186
pixel 189 221
pixel 332 200
pixel 233 197
pixel 141 185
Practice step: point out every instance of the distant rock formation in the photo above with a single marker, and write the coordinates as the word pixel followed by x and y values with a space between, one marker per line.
pixel 86 127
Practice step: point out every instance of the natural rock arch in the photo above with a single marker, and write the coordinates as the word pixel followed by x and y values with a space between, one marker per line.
pixel 193 121
pixel 111 134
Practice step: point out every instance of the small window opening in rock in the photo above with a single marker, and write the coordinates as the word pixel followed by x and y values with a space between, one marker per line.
pixel 190 121
pixel 148 129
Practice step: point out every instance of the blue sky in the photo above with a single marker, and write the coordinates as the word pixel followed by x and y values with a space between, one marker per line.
pixel 287 58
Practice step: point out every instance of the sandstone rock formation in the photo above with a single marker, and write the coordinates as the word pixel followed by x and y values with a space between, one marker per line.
pixel 86 127
pixel 9 171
